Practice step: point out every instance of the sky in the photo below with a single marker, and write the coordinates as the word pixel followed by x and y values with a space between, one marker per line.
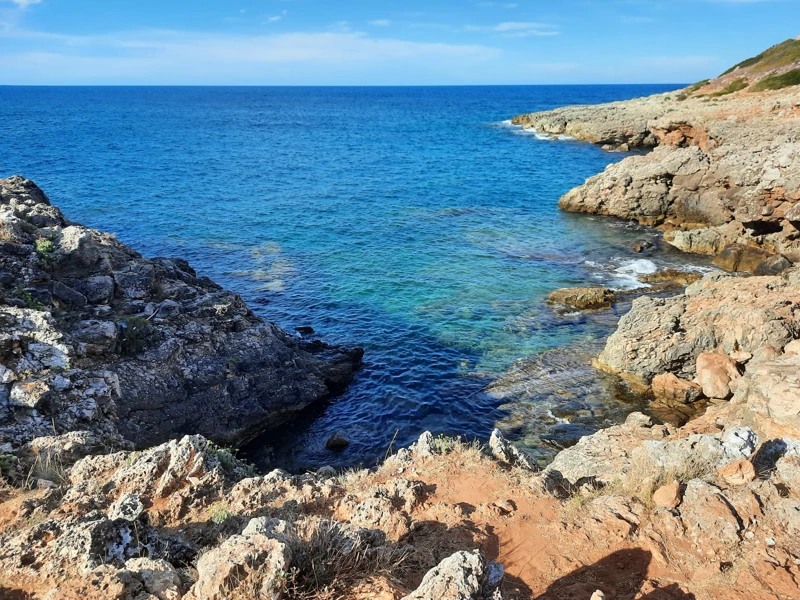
pixel 383 42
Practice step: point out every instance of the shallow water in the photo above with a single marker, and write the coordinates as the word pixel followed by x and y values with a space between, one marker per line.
pixel 412 221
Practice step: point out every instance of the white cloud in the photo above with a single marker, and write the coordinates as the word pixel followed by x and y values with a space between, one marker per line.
pixel 25 3
pixel 275 18
pixel 381 22
pixel 172 57
pixel 516 29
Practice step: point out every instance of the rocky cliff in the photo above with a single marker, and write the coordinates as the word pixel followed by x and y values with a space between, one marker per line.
pixel 724 170
pixel 94 337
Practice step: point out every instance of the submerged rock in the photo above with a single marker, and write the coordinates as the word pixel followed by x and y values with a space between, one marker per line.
pixel 583 298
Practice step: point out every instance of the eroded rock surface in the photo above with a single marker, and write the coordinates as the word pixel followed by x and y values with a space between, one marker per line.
pixel 724 171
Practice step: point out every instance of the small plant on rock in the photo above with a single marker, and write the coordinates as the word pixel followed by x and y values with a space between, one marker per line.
pixel 219 512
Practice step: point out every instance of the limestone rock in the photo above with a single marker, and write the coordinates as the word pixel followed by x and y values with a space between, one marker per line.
pixel 458 577
pixel 583 298
pixel 773 265
pixel 158 577
pixel 603 457
pixel 721 314
pixel 736 257
pixel 715 372
pixel 249 562
pixel 770 388
pixel 668 496
pixel 710 521
pixel 740 472
pixel 714 179
pixel 671 389
pixel 505 451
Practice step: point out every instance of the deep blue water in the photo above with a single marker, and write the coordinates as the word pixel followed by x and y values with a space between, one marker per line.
pixel 411 221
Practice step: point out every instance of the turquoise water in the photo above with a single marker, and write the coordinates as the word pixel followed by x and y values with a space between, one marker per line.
pixel 411 221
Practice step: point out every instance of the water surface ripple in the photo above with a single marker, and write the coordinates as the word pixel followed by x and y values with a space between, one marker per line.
pixel 411 221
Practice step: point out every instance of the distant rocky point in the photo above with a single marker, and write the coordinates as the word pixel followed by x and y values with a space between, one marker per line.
pixel 725 168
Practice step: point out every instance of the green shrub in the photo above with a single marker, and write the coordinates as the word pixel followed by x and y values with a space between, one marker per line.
pixel 779 55
pixel 27 298
pixel 736 85
pixel 137 334
pixel 696 86
pixel 219 512
pixel 777 82
pixel 7 463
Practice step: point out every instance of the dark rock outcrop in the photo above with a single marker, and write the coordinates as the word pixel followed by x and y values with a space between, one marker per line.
pixel 96 337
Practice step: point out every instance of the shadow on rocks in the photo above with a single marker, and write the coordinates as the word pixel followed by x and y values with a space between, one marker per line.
pixel 620 575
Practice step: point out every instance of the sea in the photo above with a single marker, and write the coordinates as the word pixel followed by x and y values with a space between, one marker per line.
pixel 415 222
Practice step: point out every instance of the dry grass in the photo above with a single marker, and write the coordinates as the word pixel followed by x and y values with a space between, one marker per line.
pixel 49 466
pixel 329 559
pixel 643 478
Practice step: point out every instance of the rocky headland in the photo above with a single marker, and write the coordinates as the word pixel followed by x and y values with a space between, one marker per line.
pixel 723 171
pixel 95 337
pixel 122 378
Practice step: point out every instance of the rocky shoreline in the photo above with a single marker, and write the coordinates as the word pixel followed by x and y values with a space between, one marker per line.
pixel 123 378
pixel 639 510
pixel 723 170
pixel 140 351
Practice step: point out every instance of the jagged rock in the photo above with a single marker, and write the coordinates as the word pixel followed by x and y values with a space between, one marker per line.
pixel 505 451
pixel 252 562
pixel 424 445
pixel 710 521
pixel 176 352
pixel 722 173
pixel 458 577
pixel 668 335
pixel 715 372
pixel 583 298
pixel 159 578
pixel 603 457
pixel 276 529
pixel 129 507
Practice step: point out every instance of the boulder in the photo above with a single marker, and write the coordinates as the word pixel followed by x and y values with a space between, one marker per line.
pixel 242 563
pixel 668 496
pixel 773 265
pixel 770 388
pixel 158 577
pixel 458 577
pixel 583 298
pixel 715 372
pixel 338 441
pixel 669 389
pixel 710 520
pixel 739 472
pixel 737 257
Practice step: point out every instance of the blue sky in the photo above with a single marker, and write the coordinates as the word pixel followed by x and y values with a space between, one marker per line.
pixel 363 42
